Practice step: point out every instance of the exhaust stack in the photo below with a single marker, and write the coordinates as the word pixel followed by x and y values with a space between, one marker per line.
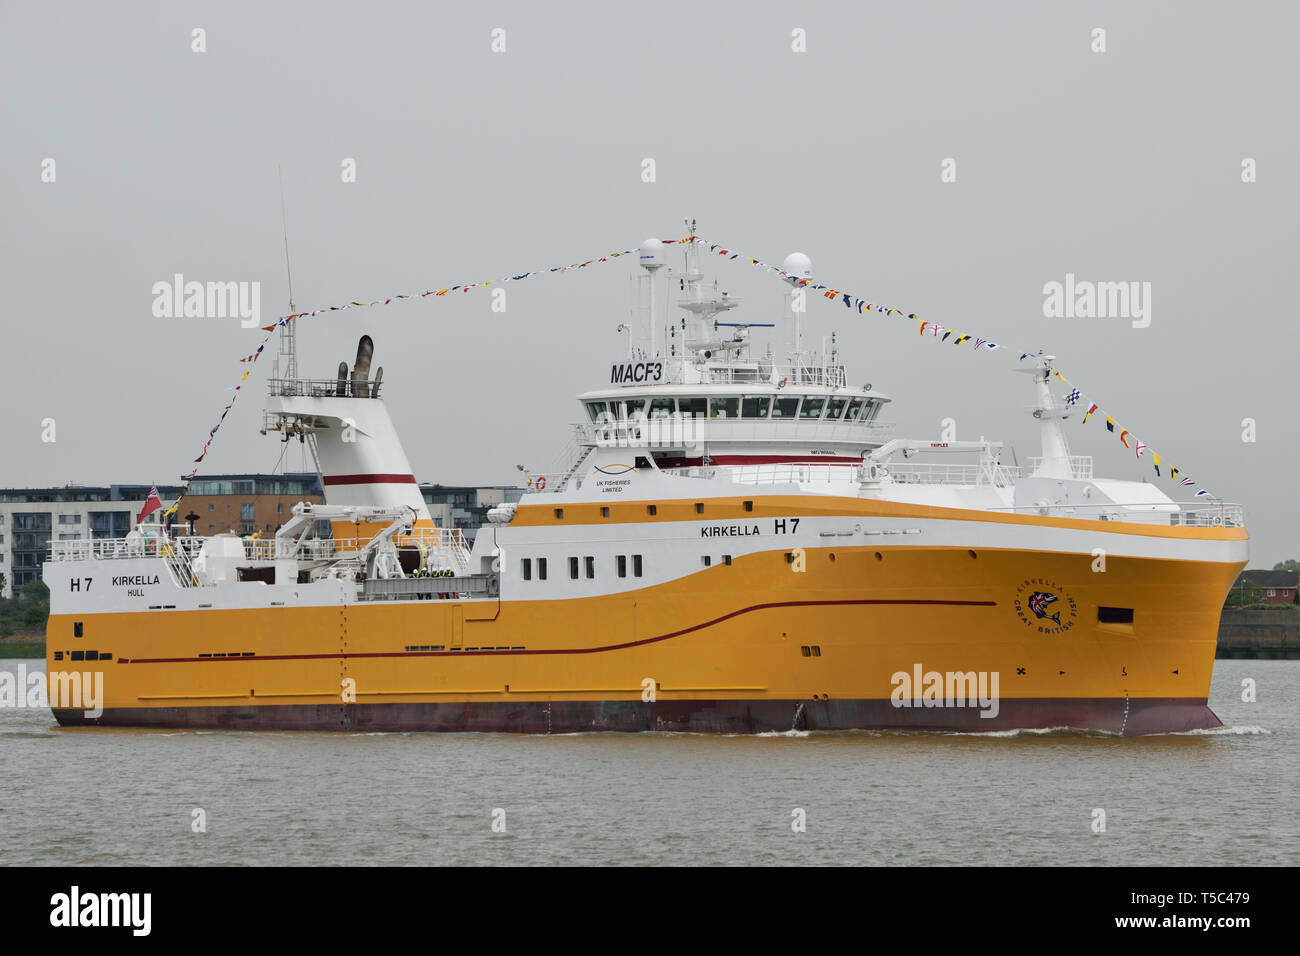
pixel 361 371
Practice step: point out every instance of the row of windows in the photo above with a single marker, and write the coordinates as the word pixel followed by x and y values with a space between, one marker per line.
pixel 832 408
pixel 588 565
pixel 649 509
pixel 32 521
pixel 261 486
pixel 84 655
pixel 246 509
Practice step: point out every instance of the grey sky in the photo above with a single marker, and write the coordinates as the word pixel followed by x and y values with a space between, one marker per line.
pixel 470 165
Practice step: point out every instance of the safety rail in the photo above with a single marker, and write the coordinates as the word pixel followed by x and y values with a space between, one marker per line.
pixel 449 544
pixel 776 474
pixel 105 549
pixel 1080 466
pixel 673 431
pixel 767 373
pixel 1219 514
pixel 417 588
pixel 928 473
pixel 322 387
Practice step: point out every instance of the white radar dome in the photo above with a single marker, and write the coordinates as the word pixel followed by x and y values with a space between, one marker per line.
pixel 652 254
pixel 797 266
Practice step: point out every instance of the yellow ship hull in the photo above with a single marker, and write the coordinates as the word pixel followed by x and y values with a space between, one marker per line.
pixel 849 641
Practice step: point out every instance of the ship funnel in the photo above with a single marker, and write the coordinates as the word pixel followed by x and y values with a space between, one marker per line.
pixel 379 377
pixel 361 371
pixel 342 388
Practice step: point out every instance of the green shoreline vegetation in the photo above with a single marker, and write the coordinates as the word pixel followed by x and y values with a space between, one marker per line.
pixel 23 619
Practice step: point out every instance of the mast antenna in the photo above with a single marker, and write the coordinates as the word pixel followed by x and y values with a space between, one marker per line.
pixel 288 334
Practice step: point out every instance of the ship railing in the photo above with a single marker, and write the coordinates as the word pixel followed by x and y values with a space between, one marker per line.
pixel 775 474
pixel 564 469
pixel 673 431
pixel 1215 514
pixel 934 473
pixel 108 549
pixel 322 388
pixel 547 482
pixel 767 373
pixel 445 545
pixel 1080 466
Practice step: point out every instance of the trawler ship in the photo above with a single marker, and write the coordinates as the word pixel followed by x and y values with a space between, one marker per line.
pixel 737 543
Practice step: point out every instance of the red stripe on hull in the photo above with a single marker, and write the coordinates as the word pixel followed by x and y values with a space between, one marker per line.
pixel 1134 717
pixel 558 650
pixel 369 479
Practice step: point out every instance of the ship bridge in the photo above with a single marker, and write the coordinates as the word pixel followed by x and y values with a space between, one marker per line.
pixel 690 390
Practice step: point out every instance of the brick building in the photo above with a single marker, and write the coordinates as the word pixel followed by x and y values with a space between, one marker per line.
pixel 1278 587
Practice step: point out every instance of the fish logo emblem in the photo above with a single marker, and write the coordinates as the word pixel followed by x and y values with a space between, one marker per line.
pixel 614 469
pixel 1040 601
pixel 1042 605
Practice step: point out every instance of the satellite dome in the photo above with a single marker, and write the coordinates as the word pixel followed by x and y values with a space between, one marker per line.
pixel 797 266
pixel 652 254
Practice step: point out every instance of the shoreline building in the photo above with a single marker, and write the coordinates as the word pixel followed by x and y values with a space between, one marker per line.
pixel 465 507
pixel 1275 587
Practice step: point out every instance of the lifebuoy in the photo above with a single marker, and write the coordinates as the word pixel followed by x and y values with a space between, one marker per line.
pixel 541 483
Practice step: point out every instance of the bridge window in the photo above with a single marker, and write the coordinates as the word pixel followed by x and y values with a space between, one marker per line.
pixel 620 565
pixel 541 569
pixel 526 566
pixel 724 407
pixel 573 568
pixel 636 565
pixel 755 406
pixel 597 410
pixel 591 566
pixel 692 407
pixel 662 407
pixel 635 406
pixel 873 409
pixel 812 407
pixel 835 408
pixel 785 406
pixel 855 409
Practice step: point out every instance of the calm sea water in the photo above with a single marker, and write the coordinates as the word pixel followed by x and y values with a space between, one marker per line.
pixel 105 796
